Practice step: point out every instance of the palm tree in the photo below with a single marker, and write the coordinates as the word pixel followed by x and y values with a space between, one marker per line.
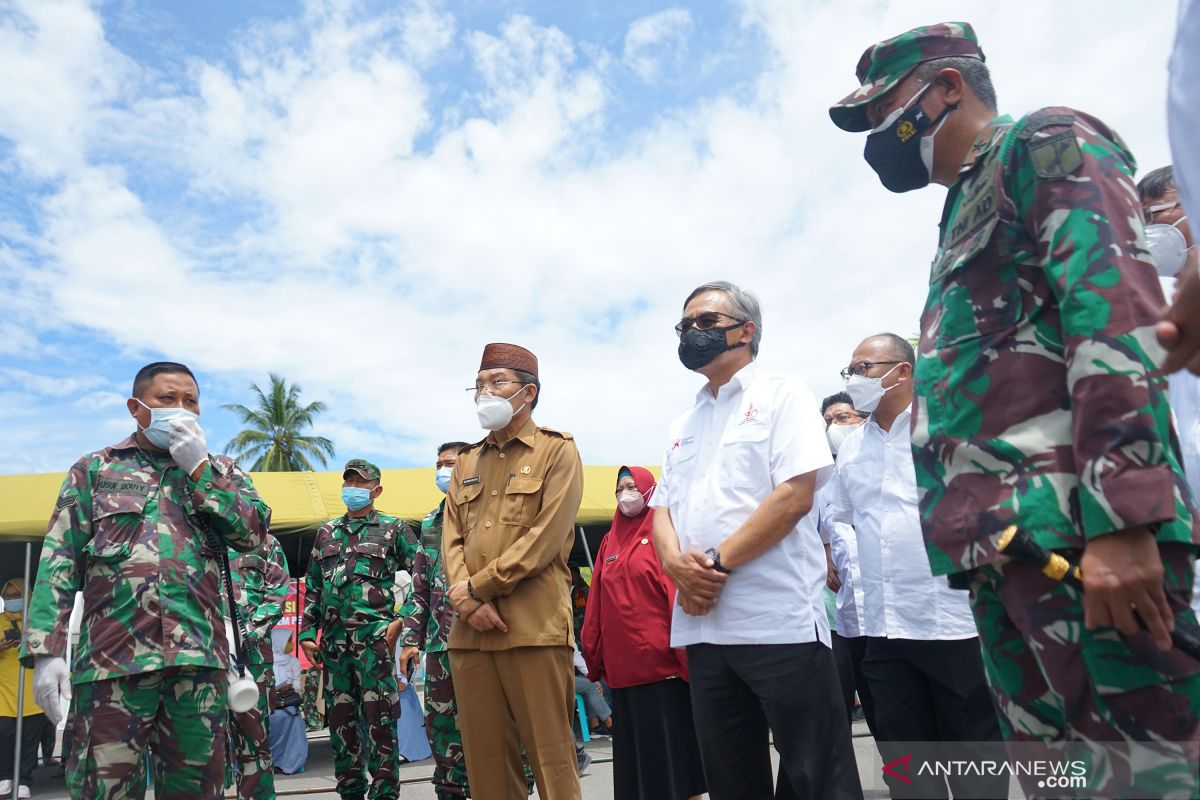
pixel 273 433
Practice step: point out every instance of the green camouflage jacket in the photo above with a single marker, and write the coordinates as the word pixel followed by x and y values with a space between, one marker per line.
pixel 350 583
pixel 123 533
pixel 1036 398
pixel 260 585
pixel 427 614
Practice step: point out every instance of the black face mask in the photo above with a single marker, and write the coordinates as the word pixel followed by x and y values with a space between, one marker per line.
pixel 697 348
pixel 895 151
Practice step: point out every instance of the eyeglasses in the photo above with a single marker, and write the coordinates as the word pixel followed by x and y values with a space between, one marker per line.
pixel 497 386
pixel 1149 212
pixel 863 367
pixel 843 418
pixel 708 319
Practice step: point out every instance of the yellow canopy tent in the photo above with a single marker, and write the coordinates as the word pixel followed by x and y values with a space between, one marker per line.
pixel 300 501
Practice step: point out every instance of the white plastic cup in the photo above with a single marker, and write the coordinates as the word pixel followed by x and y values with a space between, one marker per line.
pixel 242 694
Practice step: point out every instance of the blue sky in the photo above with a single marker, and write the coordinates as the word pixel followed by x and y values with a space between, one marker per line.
pixel 358 196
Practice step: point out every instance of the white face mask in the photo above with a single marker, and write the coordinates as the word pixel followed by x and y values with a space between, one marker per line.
pixel 159 431
pixel 631 502
pixel 836 434
pixel 1168 247
pixel 495 412
pixel 867 392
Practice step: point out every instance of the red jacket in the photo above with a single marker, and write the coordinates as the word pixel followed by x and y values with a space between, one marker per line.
pixel 627 625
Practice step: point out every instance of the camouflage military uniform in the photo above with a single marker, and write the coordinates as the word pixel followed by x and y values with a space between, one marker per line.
pixel 260 580
pixel 350 596
pixel 314 712
pixel 427 618
pixel 1037 403
pixel 149 668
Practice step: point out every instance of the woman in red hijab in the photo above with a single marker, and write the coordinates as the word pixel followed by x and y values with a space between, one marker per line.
pixel 626 641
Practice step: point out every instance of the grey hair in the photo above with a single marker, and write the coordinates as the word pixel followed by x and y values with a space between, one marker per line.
pixel 974 73
pixel 743 304
pixel 1156 183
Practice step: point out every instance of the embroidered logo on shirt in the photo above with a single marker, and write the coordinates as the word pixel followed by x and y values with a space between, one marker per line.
pixel 683 442
pixel 750 416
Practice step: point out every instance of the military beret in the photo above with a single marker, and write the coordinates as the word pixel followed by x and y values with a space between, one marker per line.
pixel 884 64
pixel 364 468
pixel 499 355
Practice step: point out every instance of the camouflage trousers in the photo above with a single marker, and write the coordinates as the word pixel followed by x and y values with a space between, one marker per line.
pixel 441 725
pixel 1126 708
pixel 178 713
pixel 360 681
pixel 251 764
pixel 314 712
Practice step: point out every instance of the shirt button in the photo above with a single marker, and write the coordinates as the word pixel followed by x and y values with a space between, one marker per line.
pixel 487 524
pixel 208 484
pixel 493 492
pixel 502 455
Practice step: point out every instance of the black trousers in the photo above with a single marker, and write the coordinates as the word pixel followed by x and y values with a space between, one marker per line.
pixel 931 691
pixel 848 652
pixel 31 735
pixel 743 693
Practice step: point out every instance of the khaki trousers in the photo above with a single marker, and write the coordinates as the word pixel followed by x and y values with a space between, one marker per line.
pixel 508 698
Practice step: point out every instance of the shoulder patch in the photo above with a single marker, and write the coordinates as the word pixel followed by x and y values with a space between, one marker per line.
pixel 1056 156
pixel 1037 120
pixel 65 502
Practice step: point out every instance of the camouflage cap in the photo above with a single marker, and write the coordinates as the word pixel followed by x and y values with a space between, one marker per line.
pixel 364 468
pixel 886 63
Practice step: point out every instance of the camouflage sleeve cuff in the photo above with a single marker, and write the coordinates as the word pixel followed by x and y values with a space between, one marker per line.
pixel 1128 499
pixel 410 638
pixel 308 635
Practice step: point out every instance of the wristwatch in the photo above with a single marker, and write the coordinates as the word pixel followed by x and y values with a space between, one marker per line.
pixel 716 557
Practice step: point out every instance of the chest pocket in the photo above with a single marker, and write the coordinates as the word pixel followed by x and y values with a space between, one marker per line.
pixel 680 464
pixel 371 557
pixel 116 526
pixel 522 500
pixel 328 557
pixel 466 498
pixel 974 291
pixel 746 457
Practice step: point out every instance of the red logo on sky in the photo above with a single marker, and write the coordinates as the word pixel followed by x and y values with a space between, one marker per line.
pixel 905 760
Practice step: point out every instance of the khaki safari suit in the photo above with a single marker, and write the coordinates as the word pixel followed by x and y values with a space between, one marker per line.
pixel 509 528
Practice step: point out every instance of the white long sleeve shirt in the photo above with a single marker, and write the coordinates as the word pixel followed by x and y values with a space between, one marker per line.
pixel 724 457
pixel 877 494
pixel 843 550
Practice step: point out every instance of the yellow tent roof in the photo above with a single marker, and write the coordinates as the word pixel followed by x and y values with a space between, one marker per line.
pixel 300 501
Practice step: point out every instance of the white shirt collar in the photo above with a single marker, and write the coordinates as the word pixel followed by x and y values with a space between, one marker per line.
pixel 901 422
pixel 739 382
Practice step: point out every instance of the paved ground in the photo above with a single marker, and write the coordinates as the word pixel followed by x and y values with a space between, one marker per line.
pixel 317 781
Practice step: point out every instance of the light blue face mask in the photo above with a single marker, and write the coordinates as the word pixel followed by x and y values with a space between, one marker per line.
pixel 356 497
pixel 14 606
pixel 159 431
pixel 442 479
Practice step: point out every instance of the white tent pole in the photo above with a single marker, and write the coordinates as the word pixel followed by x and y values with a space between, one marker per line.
pixel 587 551
pixel 16 781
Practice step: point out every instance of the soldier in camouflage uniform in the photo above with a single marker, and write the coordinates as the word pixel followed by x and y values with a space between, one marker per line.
pixel 260 582
pixel 1038 405
pixel 150 666
pixel 427 618
pixel 350 599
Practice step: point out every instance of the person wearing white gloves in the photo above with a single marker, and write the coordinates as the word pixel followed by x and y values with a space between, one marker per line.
pixel 130 530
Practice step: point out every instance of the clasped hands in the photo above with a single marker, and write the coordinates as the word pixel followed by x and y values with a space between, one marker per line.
pixel 698 583
pixel 480 616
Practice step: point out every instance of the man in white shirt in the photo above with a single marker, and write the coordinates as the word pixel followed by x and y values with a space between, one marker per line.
pixel 733 530
pixel 922 657
pixel 841 551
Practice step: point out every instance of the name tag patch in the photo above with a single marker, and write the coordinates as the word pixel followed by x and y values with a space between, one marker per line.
pixel 471 481
pixel 111 486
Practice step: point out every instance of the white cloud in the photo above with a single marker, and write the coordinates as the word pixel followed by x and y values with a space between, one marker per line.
pixel 652 39
pixel 390 232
